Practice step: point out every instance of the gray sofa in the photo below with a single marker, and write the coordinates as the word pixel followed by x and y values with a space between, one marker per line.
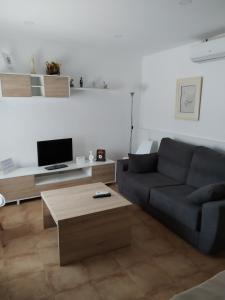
pixel 177 170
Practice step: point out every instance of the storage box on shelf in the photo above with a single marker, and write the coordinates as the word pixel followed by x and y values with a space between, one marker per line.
pixel 28 85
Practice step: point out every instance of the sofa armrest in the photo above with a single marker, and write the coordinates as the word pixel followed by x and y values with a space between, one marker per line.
pixel 121 168
pixel 122 165
pixel 212 233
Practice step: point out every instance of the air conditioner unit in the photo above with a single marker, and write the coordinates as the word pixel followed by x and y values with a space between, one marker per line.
pixel 213 49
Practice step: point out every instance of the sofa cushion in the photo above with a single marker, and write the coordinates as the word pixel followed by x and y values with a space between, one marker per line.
pixel 173 202
pixel 174 159
pixel 142 163
pixel 137 186
pixel 211 192
pixel 207 167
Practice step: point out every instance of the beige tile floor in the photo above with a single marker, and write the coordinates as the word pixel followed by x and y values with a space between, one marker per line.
pixel 156 266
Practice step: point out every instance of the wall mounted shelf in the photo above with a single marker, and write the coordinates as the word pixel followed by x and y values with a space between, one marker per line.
pixel 29 85
pixel 38 85
pixel 88 89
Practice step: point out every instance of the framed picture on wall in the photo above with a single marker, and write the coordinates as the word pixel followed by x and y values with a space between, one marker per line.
pixel 188 98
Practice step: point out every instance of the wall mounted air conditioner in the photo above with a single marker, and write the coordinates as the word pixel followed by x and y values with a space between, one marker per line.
pixel 213 49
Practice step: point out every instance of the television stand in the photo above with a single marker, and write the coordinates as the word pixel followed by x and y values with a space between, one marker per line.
pixel 29 182
pixel 55 167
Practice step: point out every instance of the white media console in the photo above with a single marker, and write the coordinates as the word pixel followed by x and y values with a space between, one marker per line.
pixel 29 182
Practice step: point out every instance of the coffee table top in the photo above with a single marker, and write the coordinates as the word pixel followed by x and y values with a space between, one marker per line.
pixel 77 201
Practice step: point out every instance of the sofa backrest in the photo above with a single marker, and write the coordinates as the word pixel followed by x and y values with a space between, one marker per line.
pixel 207 166
pixel 175 159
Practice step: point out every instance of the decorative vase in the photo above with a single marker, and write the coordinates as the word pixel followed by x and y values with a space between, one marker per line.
pixel 91 157
pixel 33 69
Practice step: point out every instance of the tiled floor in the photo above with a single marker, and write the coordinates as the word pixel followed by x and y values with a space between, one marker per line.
pixel 157 265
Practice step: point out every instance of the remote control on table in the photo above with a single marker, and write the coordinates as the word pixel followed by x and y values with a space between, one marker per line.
pixel 102 194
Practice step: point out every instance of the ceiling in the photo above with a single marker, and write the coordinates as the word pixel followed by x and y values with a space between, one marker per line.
pixel 144 26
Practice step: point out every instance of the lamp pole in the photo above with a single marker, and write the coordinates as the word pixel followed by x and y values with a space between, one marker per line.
pixel 131 121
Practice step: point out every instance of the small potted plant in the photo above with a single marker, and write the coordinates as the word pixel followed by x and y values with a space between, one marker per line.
pixel 52 68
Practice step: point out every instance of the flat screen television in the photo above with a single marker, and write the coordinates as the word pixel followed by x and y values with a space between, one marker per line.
pixel 54 151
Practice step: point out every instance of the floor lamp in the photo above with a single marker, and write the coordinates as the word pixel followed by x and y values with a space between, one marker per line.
pixel 131 121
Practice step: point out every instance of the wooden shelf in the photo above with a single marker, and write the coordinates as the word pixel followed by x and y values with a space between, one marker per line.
pixel 63 176
pixel 36 80
pixel 28 85
pixel 37 91
pixel 89 89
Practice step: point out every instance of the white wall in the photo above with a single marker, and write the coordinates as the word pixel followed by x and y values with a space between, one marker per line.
pixel 93 119
pixel 159 74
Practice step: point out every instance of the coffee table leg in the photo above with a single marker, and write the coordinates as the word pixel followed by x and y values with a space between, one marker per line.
pixel 48 221
pixel 65 243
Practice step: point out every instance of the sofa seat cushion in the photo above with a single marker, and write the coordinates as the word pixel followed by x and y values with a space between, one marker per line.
pixel 173 202
pixel 137 186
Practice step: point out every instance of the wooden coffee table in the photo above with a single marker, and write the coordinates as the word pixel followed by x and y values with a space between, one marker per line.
pixel 86 226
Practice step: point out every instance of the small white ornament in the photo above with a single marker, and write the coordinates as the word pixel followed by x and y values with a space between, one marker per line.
pixel 91 157
pixel 2 200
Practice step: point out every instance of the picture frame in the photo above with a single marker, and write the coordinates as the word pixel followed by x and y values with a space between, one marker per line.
pixel 100 155
pixel 7 166
pixel 188 98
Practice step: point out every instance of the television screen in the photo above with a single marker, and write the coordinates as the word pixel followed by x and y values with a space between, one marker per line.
pixel 54 151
